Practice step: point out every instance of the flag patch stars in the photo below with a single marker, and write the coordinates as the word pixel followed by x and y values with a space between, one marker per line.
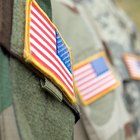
pixel 63 52
pixel 94 78
pixel 99 65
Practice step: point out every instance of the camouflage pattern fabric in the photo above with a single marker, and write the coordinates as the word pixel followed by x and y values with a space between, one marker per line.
pixel 124 27
pixel 101 119
pixel 109 29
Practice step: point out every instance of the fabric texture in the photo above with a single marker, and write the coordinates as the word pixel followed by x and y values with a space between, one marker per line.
pixel 102 115
pixel 37 114
pixel 5 88
pixel 17 38
pixel 5 23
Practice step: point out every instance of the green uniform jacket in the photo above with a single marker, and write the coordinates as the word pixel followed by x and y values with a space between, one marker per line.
pixel 32 111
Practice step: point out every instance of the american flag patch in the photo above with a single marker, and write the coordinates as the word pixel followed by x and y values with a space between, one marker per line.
pixel 93 78
pixel 133 65
pixel 47 51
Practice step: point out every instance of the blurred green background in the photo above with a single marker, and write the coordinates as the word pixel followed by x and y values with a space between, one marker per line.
pixel 132 8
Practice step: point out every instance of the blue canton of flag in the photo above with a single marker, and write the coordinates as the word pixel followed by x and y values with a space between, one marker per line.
pixel 62 52
pixel 99 65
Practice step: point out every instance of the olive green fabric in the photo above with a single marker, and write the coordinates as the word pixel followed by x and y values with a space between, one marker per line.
pixel 46 6
pixel 19 22
pixel 123 45
pixel 39 115
pixel 101 119
pixel 5 88
pixel 5 20
pixel 17 38
pixel 79 132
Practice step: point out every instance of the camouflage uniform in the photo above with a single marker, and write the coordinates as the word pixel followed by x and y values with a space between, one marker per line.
pixel 101 119
pixel 114 23
pixel 28 111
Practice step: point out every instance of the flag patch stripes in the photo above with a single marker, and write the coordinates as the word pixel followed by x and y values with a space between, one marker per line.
pixel 133 65
pixel 93 78
pixel 47 51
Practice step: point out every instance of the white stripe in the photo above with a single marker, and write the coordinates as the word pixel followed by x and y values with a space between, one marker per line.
pixel 133 67
pixel 42 19
pixel 41 41
pixel 86 97
pixel 42 34
pixel 131 59
pixel 51 66
pixel 82 81
pixel 132 64
pixel 91 82
pixel 97 85
pixel 48 47
pixel 136 74
pixel 49 56
pixel 134 71
pixel 43 27
pixel 78 71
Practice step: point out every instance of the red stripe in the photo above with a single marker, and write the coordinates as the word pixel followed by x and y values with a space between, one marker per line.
pixel 43 31
pixel 32 28
pixel 82 72
pixel 95 95
pixel 48 68
pixel 94 82
pixel 56 59
pixel 79 79
pixel 42 14
pixel 57 67
pixel 42 21
pixel 99 86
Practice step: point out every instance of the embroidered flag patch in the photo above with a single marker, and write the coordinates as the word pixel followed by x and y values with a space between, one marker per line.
pixel 93 78
pixel 132 63
pixel 46 49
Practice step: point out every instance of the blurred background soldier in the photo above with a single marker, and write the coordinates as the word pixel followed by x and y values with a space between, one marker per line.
pixel 112 22
pixel 101 119
pixel 28 107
